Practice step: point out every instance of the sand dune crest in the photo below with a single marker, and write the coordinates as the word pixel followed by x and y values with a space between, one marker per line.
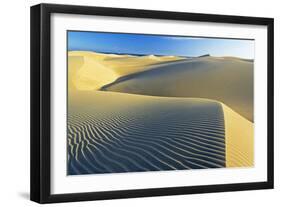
pixel 226 80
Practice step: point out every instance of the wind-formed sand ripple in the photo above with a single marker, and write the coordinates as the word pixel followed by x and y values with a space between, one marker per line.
pixel 158 134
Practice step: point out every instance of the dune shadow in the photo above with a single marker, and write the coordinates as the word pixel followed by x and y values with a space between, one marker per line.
pixel 154 68
pixel 161 135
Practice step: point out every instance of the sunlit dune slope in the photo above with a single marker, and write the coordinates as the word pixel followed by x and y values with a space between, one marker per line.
pixel 239 139
pixel 227 80
pixel 87 73
pixel 90 70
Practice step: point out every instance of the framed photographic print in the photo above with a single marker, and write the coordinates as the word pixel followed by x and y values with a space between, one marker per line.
pixel 132 103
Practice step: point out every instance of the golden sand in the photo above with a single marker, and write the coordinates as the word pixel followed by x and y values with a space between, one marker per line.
pixel 90 70
pixel 86 73
pixel 239 139
pixel 224 81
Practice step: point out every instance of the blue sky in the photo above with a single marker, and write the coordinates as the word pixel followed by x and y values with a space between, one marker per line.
pixel 159 44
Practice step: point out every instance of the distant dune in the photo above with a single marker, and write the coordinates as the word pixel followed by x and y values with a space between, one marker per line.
pixel 147 113
pixel 90 70
pixel 227 80
pixel 86 72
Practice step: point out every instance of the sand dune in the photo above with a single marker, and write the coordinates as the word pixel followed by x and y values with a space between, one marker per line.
pixel 148 113
pixel 227 80
pixel 86 73
pixel 90 70
pixel 134 133
pixel 141 133
pixel 239 139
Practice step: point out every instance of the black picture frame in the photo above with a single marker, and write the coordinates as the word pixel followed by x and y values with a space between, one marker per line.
pixel 41 98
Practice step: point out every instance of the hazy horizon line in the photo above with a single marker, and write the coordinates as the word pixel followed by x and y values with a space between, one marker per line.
pixel 159 55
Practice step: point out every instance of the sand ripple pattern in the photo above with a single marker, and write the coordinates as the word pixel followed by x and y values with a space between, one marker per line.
pixel 188 136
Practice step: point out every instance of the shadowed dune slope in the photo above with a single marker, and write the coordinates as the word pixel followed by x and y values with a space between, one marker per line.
pixel 116 132
pixel 227 80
